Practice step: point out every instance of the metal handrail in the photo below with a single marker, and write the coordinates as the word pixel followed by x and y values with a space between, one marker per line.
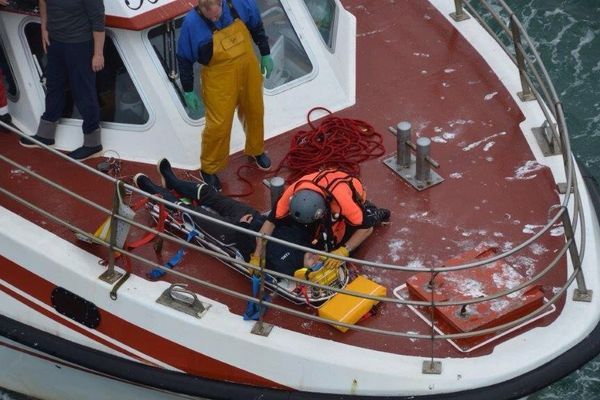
pixel 291 311
pixel 554 108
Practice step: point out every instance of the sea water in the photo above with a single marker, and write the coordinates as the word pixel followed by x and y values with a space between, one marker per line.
pixel 567 35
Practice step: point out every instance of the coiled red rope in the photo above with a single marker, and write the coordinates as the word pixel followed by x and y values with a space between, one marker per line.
pixel 341 143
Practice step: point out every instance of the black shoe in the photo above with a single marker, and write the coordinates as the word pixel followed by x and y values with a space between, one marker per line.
pixel 211 180
pixel 141 181
pixel 381 216
pixel 263 161
pixel 85 152
pixel 167 176
pixel 26 142
pixel 203 189
pixel 144 183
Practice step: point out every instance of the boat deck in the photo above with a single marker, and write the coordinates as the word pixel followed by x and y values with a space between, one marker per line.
pixel 417 68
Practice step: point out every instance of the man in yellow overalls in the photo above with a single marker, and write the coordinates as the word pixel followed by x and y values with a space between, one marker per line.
pixel 218 34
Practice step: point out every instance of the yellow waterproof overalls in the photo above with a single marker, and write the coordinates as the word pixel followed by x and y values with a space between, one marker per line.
pixel 232 79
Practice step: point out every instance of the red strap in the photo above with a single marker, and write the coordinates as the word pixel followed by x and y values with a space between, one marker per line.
pixel 304 292
pixel 160 226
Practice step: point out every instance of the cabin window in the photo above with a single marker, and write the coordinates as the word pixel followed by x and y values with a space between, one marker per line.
pixel 290 58
pixel 9 81
pixel 164 41
pixel 323 13
pixel 120 102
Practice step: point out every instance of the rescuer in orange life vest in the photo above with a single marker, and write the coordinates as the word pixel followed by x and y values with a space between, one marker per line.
pixel 334 204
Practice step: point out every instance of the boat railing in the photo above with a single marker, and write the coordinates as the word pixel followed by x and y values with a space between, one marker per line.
pixel 559 215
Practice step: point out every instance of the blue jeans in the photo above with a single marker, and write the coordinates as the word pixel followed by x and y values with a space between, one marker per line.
pixel 72 63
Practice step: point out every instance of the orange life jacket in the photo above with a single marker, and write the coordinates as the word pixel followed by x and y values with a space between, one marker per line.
pixel 343 193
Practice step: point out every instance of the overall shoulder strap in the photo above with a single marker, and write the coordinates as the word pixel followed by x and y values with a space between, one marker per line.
pixel 211 25
pixel 232 10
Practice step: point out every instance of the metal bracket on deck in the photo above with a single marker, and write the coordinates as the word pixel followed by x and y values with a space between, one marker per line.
pixel 459 14
pixel 562 188
pixel 413 169
pixel 181 299
pixel 547 140
pixel 261 328
pixel 110 276
pixel 583 295
pixel 431 367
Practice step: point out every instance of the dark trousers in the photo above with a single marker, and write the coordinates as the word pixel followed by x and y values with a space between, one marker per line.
pixel 229 210
pixel 220 207
pixel 72 63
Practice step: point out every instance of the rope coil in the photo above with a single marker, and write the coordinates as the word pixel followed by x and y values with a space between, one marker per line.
pixel 341 143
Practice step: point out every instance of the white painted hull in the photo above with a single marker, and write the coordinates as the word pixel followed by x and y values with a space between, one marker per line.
pixel 36 374
pixel 288 361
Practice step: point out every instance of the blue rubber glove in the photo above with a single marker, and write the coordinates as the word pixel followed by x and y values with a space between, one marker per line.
pixel 266 65
pixel 192 101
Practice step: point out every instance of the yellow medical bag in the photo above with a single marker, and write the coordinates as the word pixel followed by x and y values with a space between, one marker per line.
pixel 350 309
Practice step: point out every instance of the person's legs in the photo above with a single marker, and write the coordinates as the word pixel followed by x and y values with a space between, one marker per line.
pixel 220 96
pixel 228 208
pixel 82 81
pixel 83 86
pixel 209 202
pixel 251 113
pixel 144 183
pixel 56 79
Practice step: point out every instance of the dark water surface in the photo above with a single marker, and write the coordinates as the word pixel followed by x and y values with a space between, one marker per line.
pixel 567 34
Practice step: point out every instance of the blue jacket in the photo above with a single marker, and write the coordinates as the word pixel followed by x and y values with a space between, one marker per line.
pixel 195 38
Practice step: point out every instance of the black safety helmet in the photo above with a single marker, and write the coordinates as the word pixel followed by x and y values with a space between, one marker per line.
pixel 307 206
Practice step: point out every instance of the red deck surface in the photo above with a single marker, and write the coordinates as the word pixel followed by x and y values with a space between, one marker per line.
pixel 413 66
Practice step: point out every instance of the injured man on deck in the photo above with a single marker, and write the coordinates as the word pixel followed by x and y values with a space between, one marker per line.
pixel 205 200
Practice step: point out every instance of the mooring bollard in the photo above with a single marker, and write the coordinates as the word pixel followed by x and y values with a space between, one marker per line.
pixel 416 170
pixel 403 131
pixel 276 187
pixel 423 172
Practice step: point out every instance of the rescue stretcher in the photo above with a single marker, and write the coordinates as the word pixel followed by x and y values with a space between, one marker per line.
pixel 183 225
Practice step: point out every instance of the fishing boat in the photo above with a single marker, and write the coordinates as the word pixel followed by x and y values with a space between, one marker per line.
pixel 483 284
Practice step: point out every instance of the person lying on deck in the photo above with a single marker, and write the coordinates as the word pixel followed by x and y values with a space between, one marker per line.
pixel 209 202
pixel 333 205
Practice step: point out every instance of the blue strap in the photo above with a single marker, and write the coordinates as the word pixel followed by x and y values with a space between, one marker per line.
pixel 157 273
pixel 253 310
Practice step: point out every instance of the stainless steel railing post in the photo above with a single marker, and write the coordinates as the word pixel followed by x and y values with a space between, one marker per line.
pixel 459 14
pixel 581 293
pixel 526 94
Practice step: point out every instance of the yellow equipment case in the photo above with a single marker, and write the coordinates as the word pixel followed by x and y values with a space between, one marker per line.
pixel 350 309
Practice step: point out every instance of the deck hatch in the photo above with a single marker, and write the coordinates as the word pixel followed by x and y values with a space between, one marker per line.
pixel 75 307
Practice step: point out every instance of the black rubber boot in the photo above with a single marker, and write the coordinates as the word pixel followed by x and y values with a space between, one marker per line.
pixel 211 180
pixel 167 177
pixel 143 182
